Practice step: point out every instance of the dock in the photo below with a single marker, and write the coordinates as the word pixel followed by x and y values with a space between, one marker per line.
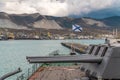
pixel 58 73
pixel 76 46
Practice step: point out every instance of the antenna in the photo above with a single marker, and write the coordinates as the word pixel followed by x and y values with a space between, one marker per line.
pixel 116 32
pixel 113 32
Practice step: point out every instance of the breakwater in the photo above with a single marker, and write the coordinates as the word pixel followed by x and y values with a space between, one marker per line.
pixel 77 47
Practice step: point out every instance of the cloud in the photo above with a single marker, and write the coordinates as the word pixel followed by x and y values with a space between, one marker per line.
pixel 58 7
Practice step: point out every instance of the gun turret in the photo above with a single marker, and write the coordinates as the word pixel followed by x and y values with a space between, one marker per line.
pixel 99 61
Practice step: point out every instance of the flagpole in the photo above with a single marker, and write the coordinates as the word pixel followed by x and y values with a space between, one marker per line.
pixel 74 28
pixel 72 48
pixel 72 43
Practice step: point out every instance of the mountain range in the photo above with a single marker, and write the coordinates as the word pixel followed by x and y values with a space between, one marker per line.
pixel 26 21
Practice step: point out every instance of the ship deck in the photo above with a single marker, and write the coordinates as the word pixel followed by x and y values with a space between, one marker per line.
pixel 58 73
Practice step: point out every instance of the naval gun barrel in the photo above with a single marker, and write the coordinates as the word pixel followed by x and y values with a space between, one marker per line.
pixel 10 74
pixel 67 59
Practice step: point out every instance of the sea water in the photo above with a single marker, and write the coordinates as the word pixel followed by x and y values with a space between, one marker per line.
pixel 13 52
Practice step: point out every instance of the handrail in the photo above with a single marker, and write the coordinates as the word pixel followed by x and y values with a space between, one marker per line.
pixel 10 74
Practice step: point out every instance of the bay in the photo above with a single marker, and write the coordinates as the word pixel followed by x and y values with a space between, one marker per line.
pixel 13 52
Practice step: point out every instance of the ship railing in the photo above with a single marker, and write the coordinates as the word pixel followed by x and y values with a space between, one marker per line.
pixel 10 74
pixel 33 69
pixel 29 72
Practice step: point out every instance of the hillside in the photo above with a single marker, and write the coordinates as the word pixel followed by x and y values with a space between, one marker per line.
pixel 26 21
pixel 113 22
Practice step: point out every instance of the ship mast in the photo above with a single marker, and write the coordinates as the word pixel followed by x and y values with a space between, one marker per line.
pixel 116 32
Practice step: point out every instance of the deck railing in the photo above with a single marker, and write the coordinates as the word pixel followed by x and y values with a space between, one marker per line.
pixel 33 69
pixel 30 71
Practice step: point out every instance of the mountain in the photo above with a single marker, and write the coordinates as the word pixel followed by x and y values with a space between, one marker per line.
pixel 113 22
pixel 26 21
pixel 50 24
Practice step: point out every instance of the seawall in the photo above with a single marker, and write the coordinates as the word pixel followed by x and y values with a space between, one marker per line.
pixel 77 47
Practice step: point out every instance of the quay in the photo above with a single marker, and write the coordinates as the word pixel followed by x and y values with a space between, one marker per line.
pixel 77 47
pixel 58 73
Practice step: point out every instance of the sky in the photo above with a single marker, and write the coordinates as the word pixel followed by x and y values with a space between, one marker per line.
pixel 77 8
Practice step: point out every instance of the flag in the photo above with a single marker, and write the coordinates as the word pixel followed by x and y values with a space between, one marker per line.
pixel 77 28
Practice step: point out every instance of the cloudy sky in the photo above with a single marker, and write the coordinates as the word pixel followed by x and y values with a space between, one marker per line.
pixel 86 8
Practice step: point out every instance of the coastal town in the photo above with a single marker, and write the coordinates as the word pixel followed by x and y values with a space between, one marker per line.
pixel 7 34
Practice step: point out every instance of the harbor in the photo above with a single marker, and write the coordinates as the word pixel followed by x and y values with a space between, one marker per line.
pixel 59 40
pixel 18 50
pixel 61 66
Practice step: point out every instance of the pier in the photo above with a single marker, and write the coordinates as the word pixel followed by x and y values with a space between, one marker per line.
pixel 77 47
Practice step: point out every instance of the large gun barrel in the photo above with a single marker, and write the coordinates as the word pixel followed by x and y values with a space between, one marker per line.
pixel 67 59
pixel 10 74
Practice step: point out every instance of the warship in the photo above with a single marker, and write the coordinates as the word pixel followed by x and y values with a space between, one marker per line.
pixel 100 62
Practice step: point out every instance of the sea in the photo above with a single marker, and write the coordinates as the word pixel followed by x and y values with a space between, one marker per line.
pixel 13 52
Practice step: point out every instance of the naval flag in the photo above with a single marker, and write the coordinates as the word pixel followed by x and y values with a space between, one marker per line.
pixel 77 28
